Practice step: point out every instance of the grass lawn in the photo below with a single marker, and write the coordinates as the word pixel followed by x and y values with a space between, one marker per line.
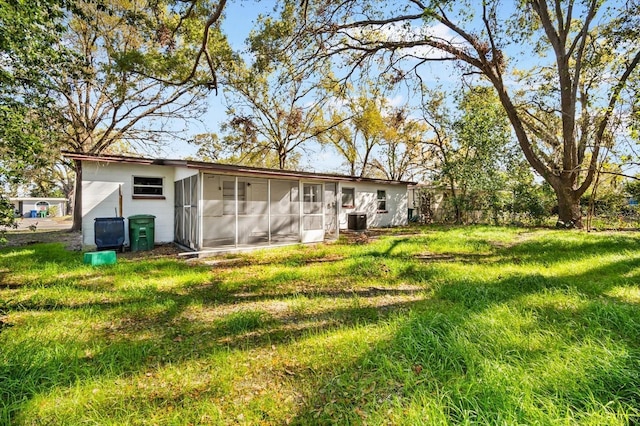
pixel 477 325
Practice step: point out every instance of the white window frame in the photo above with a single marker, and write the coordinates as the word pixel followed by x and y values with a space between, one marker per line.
pixel 236 199
pixel 353 198
pixel 382 200
pixel 135 185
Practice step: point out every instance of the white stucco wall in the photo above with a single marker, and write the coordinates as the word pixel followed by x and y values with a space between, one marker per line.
pixel 366 202
pixel 183 173
pixel 100 188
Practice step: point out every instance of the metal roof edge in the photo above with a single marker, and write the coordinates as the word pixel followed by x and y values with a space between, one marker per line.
pixel 36 199
pixel 229 168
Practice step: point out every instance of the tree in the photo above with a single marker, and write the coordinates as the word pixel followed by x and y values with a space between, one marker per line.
pixel 29 59
pixel 484 151
pixel 185 11
pixel 356 126
pixel 632 188
pixel 273 106
pixel 562 102
pixel 212 149
pixel 400 148
pixel 607 192
pixel 530 201
pixel 53 180
pixel 129 50
pixel 341 138
pixel 468 151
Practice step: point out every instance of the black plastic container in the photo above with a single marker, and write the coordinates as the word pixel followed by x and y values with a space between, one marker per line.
pixel 109 233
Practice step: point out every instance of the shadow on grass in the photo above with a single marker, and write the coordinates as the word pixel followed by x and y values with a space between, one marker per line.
pixel 141 329
pixel 559 248
pixel 135 341
pixel 438 352
pixel 456 362
pixel 555 248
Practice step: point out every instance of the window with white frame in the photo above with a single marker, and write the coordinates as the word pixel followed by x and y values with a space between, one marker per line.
pixel 312 196
pixel 382 200
pixel 229 197
pixel 148 187
pixel 348 198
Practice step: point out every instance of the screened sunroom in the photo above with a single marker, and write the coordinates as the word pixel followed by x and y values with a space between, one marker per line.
pixel 248 211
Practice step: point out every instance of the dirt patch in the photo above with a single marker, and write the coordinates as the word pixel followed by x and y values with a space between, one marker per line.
pixel 71 240
pixel 159 251
pixel 363 237
pixel 455 257
pixel 435 257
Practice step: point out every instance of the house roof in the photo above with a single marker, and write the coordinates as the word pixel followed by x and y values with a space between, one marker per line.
pixel 228 168
pixel 54 199
pixel 37 199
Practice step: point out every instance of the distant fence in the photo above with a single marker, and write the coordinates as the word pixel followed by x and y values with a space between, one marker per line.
pixel 428 204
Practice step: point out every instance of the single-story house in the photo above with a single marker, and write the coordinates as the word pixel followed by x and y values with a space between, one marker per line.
pixel 39 206
pixel 207 206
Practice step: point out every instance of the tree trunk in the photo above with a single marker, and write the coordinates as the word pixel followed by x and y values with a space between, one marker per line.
pixel 458 210
pixel 77 197
pixel 456 202
pixel 569 213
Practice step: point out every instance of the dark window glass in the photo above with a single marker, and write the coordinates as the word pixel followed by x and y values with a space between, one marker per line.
pixel 348 197
pixel 149 186
pixel 382 200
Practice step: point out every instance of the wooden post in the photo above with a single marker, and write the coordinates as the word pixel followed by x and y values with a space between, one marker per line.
pixel 120 200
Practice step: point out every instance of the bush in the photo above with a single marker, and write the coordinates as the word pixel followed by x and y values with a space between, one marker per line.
pixel 7 213
pixel 7 217
pixel 531 203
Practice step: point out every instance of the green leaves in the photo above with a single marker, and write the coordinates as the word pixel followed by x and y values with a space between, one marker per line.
pixel 31 57
pixel 483 135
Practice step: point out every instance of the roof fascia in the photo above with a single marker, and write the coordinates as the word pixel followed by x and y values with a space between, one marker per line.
pixel 229 168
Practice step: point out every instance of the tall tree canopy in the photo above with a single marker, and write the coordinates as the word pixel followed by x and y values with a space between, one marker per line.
pixel 274 103
pixel 29 58
pixel 136 76
pixel 558 67
pixel 468 149
pixel 139 64
pixel 360 126
pixel 373 136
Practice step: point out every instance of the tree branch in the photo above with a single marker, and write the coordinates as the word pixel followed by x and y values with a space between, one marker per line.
pixel 604 122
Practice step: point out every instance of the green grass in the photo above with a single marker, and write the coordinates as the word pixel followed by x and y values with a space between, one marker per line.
pixel 474 325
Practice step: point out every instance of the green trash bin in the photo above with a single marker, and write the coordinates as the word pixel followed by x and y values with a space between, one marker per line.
pixel 141 232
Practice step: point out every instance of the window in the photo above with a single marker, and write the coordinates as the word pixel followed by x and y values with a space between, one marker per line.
pixel 312 206
pixel 312 194
pixel 348 198
pixel 382 201
pixel 229 199
pixel 148 187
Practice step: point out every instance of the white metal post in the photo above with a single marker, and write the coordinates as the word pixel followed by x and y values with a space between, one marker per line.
pixel 236 208
pixel 322 202
pixel 269 209
pixel 300 209
pixel 201 211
